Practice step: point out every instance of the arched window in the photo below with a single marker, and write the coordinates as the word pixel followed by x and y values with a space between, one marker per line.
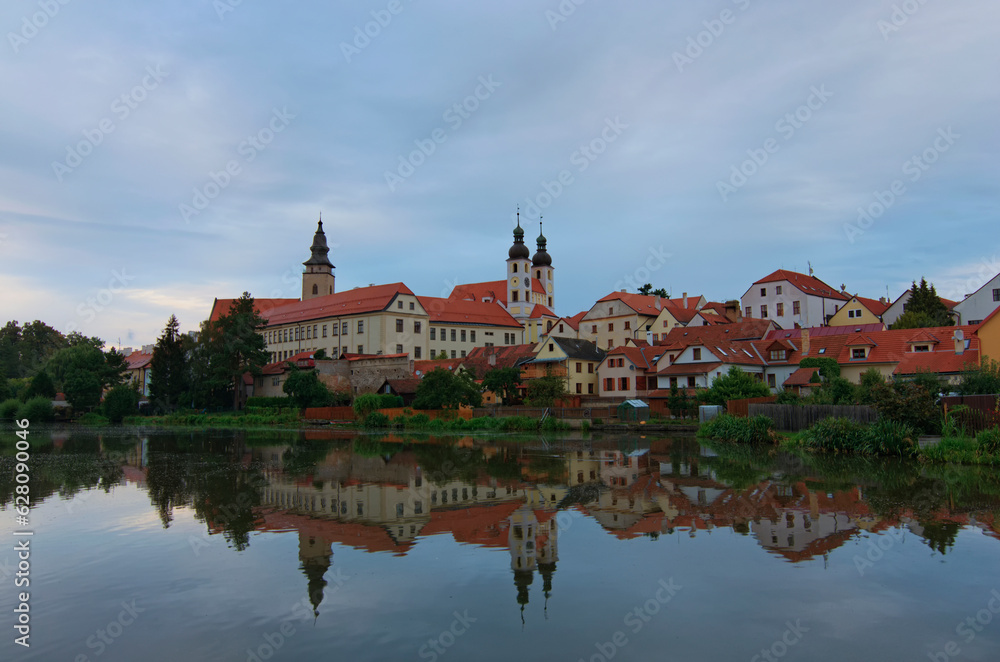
pixel 515 267
pixel 538 274
pixel 315 289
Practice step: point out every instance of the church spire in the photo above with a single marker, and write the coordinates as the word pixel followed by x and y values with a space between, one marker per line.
pixel 319 248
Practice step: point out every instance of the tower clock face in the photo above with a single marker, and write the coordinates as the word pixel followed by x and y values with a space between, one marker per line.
pixel 513 281
pixel 527 281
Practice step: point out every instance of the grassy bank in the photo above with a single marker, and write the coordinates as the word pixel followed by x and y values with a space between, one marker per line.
pixel 884 438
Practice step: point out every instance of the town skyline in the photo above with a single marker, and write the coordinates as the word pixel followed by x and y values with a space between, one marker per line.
pixel 164 167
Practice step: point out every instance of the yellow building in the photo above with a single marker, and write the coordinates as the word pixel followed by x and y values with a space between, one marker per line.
pixel 572 359
pixel 860 310
pixel 989 337
pixel 458 326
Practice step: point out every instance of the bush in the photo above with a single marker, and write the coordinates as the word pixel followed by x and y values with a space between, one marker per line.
pixel 8 409
pixel 417 421
pixel 262 402
pixel 835 435
pixel 888 437
pixel 752 430
pixel 375 419
pixel 93 419
pixel 121 401
pixel 366 403
pixel 989 440
pixel 36 410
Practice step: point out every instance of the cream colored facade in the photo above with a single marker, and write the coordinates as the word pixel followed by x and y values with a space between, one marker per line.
pixel 457 340
pixel 580 373
pixel 854 312
pixel 610 323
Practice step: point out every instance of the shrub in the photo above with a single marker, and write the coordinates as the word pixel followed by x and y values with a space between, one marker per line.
pixel 989 440
pixel 598 421
pixel 36 410
pixel 121 401
pixel 366 403
pixel 262 402
pixel 417 421
pixel 91 418
pixel 835 435
pixel 8 409
pixel 375 419
pixel 888 437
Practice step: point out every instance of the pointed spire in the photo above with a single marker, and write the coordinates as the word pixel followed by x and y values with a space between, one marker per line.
pixel 319 248
pixel 518 250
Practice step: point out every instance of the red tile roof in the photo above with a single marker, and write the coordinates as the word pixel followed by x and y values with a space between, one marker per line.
pixel 138 359
pixel 221 306
pixel 352 302
pixel 874 305
pixel 466 311
pixel 493 290
pixel 801 377
pixel 689 369
pixel 539 311
pixel 506 356
pixel 641 303
pixel 894 347
pixel 807 284
pixel 574 321
pixel 536 287
pixel 819 331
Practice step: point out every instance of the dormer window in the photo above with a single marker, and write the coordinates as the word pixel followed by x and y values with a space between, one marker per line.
pixel 696 354
pixel 921 348
pixel 779 354
pixel 859 353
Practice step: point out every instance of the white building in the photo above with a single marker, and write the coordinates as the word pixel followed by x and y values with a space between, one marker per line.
pixel 977 306
pixel 792 300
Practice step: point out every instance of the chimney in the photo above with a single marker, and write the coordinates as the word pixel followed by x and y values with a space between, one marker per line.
pixel 624 290
pixel 493 359
pixel 147 349
pixel 959 342
pixel 685 300
pixel 882 300
pixel 805 342
pixel 733 312
pixel 657 304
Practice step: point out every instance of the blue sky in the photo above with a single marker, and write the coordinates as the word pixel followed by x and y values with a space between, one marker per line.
pixel 157 155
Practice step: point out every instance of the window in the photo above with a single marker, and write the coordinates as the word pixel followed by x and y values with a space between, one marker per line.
pixel 453 335
pixel 515 294
pixel 343 329
pixel 433 333
pixel 763 291
pixel 416 352
pixel 472 336
pixel 996 294
pixel 921 348
pixel 590 389
pixel 560 328
pixel 315 329
pixel 361 349
pixel 673 382
pixel 552 347
pixel 308 333
pixel 763 311
pixel 777 289
pixel 399 349
pixel 412 307
pixel 315 290
pixel 399 325
pixel 748 313
pixel 623 383
pixel 609 383
pixel 590 368
pixel 343 350
pixel 399 304
pixel 611 326
pixel 463 335
pixel 628 325
pixel 579 387
pixel 538 273
pixel 579 367
pixel 548 325
pixel 691 382
pixel 858 353
pixel 593 329
pixel 514 267
pixel 454 354
pixel 324 330
pixel 611 343
pixel 361 326
pixel 778 354
pixel 463 353
pixel 696 353
pixel 416 326
pixel 779 309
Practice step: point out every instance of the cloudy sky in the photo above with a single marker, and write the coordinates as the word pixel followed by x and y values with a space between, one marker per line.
pixel 157 155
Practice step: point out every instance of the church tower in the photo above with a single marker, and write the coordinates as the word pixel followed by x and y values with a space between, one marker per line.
pixel 519 303
pixel 318 278
pixel 541 268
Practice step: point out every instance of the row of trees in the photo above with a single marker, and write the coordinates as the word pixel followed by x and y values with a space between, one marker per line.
pixel 443 389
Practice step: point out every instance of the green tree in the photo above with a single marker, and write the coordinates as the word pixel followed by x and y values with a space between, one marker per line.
pixel 366 403
pixel 170 375
pixel 661 292
pixel 242 345
pixel 305 389
pixel 320 354
pixel 442 355
pixel 25 350
pixel 505 383
pixel 924 309
pixel 828 368
pixel 442 389
pixel 209 382
pixel 121 401
pixel 41 385
pixel 645 289
pixel 735 385
pixel 5 391
pixel 544 391
pixel 983 379
pixel 86 355
pixel 82 389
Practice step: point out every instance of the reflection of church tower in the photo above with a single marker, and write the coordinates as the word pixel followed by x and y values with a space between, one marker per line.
pixel 532 545
pixel 318 278
pixel 541 266
pixel 315 556
pixel 519 276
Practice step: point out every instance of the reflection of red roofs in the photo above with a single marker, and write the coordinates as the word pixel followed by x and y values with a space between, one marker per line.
pixel 134 474
pixel 367 537
pixel 478 525
pixel 818 547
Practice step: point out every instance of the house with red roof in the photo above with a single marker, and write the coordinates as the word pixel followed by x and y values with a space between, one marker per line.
pixel 457 326
pixel 860 310
pixel 629 371
pixel 792 300
pixel 899 306
pixel 138 369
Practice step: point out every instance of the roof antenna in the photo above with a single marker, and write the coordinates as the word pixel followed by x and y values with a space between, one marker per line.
pixel 810 267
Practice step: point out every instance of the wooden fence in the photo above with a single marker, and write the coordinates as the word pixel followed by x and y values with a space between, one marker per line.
pixel 741 408
pixel 793 418
pixel 329 414
pixel 589 413
pixel 977 413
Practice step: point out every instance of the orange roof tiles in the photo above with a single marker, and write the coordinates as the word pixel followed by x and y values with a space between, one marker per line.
pixel 466 311
pixel 539 311
pixel 138 359
pixel 875 306
pixel 352 302
pixel 493 290
pixel 641 303
pixel 221 306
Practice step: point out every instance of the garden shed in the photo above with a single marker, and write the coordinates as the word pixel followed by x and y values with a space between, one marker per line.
pixel 633 411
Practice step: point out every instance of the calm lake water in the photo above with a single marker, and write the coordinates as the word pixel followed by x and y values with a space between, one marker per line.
pixel 246 546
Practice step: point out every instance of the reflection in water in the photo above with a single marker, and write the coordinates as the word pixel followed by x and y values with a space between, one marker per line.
pixel 389 494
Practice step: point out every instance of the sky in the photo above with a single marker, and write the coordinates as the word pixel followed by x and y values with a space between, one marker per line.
pixel 155 156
